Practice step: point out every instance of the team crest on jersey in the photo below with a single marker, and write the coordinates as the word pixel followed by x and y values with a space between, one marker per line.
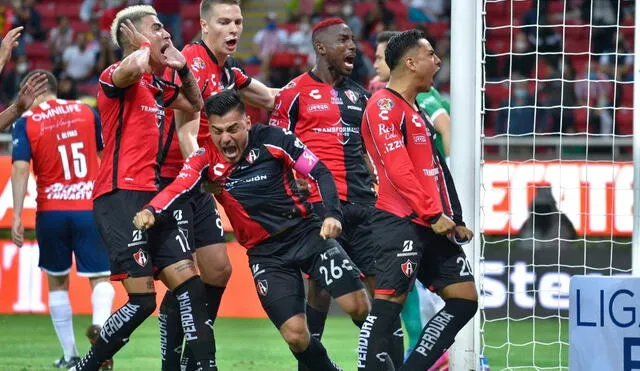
pixel 385 104
pixel 263 287
pixel 198 64
pixel 353 97
pixel 408 268
pixel 253 155
pixel 141 257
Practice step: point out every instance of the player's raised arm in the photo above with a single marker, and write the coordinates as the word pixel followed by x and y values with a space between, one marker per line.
pixel 35 85
pixel 136 63
pixel 192 171
pixel 190 98
pixel 259 95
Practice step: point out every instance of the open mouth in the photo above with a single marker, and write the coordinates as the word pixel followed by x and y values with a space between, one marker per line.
pixel 230 151
pixel 164 48
pixel 349 60
pixel 231 43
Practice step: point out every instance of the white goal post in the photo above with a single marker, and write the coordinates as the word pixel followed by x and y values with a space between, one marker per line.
pixel 613 169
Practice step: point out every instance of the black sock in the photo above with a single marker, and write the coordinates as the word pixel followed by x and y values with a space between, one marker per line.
pixel 315 357
pixel 315 322
pixel 440 332
pixel 214 298
pixel 396 346
pixel 117 329
pixel 196 324
pixel 171 334
pixel 373 341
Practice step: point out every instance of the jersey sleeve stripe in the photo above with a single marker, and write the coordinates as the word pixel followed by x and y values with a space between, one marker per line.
pixel 174 198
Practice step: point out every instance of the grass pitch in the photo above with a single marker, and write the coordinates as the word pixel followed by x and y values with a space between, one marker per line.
pixel 28 342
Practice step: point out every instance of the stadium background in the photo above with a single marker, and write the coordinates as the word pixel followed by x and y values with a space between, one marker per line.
pixel 23 288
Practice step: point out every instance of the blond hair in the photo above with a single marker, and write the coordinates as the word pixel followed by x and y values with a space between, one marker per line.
pixel 133 13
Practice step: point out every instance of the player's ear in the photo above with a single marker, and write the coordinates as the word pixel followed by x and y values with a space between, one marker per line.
pixel 320 49
pixel 410 63
pixel 204 26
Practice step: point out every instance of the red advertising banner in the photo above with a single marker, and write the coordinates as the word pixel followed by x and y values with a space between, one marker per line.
pixel 23 287
pixel 597 197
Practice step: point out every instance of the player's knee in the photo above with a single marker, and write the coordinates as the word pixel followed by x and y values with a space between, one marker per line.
pixel 146 303
pixel 296 334
pixel 214 265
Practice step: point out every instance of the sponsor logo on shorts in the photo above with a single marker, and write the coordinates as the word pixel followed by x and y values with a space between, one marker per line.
pixel 141 257
pixel 263 287
pixel 137 238
pixel 408 268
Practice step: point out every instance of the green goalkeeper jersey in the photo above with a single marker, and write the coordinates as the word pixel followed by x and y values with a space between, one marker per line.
pixel 434 105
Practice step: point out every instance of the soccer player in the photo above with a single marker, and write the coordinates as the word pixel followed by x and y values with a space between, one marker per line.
pixel 62 139
pixel 253 166
pixel 418 212
pixel 211 63
pixel 421 304
pixel 324 107
pixel 131 100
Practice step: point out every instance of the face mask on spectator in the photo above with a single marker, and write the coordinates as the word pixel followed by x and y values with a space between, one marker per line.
pixel 520 93
pixel 305 27
pixel 347 10
pixel 271 26
pixel 22 67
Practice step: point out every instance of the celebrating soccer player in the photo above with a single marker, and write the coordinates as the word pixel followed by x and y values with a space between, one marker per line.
pixel 253 166
pixel 131 100
pixel 63 139
pixel 418 212
pixel 215 70
pixel 324 107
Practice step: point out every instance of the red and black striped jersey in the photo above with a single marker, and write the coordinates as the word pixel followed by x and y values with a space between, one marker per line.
pixel 414 178
pixel 211 78
pixel 259 193
pixel 133 120
pixel 327 119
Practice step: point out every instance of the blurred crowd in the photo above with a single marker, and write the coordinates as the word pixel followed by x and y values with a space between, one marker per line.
pixel 564 76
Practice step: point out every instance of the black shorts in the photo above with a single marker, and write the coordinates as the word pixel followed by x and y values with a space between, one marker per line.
pixel 277 275
pixel 198 218
pixel 356 237
pixel 409 251
pixel 133 252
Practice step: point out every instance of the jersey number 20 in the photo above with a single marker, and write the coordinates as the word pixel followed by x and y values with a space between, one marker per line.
pixel 78 158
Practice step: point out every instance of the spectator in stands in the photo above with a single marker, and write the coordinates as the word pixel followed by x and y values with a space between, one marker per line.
pixel 169 15
pixel 6 18
pixel 546 39
pixel 300 41
pixel 592 84
pixel 424 11
pixel 558 92
pixel 353 21
pixel 67 88
pixel 79 59
pixel 26 15
pixel 622 69
pixel 268 41
pixel 106 55
pixel 517 115
pixel 60 38
pixel 523 60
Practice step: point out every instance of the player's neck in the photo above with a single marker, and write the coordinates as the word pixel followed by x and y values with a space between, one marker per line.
pixel 221 58
pixel 326 74
pixel 404 86
pixel 43 98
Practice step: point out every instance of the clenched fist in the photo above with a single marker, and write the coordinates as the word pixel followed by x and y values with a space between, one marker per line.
pixel 444 225
pixel 331 228
pixel 144 219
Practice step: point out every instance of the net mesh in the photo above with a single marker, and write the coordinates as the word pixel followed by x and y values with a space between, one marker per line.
pixel 556 169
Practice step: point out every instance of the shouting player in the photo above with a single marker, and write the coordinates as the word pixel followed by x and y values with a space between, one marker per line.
pixel 215 70
pixel 131 100
pixel 253 166
pixel 324 107
pixel 418 212
pixel 63 139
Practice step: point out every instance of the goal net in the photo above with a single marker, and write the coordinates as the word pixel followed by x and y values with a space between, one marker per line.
pixel 557 170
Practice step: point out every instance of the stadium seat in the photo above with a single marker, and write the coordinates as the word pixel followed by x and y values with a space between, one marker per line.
pixel 289 27
pixel 623 121
pixel 288 60
pixel 437 30
pixel 190 29
pixel 497 93
pixel 48 23
pixel 361 9
pixel 70 10
pixel 520 7
pixel 398 8
pixel 367 50
pixel 627 95
pixel 80 26
pixel 46 10
pixel 37 49
pixel 42 63
pixel 580 117
pixel 555 7
pixel 190 11
pixel 496 9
